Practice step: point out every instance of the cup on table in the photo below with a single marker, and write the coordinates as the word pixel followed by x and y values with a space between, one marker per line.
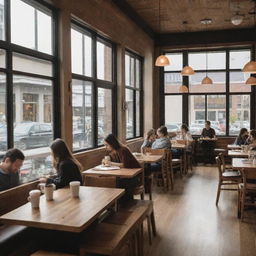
pixel 48 191
pixel 74 188
pixel 34 198
pixel 106 161
pixel 243 148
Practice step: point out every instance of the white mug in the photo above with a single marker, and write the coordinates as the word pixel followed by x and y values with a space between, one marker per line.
pixel 34 198
pixel 48 191
pixel 74 188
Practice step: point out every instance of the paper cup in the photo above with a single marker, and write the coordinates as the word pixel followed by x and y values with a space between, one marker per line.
pixel 74 188
pixel 34 198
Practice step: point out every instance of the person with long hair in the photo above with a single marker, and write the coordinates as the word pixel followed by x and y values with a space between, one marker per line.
pixel 149 138
pixel 121 156
pixel 252 140
pixel 242 137
pixel 67 167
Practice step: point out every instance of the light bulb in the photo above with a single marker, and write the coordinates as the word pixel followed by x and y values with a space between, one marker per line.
pixel 237 19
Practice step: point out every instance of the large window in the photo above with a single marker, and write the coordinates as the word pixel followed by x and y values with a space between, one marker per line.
pixel 226 102
pixel 29 79
pixel 93 88
pixel 133 95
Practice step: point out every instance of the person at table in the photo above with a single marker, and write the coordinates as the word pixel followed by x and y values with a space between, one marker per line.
pixel 121 156
pixel 149 138
pixel 242 137
pixel 252 140
pixel 9 168
pixel 163 140
pixel 184 135
pixel 208 145
pixel 67 167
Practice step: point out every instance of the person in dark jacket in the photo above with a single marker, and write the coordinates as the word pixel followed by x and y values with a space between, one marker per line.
pixel 67 167
pixel 9 168
pixel 242 137
pixel 121 156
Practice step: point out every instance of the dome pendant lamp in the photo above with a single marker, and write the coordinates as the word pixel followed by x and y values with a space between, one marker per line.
pixel 161 60
pixel 206 80
pixel 187 71
pixel 251 80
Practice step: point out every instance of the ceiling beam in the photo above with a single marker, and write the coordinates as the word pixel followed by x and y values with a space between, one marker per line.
pixel 206 38
pixel 133 15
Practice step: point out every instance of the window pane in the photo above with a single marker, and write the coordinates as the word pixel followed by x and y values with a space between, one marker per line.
pixel 239 113
pixel 218 78
pixel 2 58
pixel 173 112
pixel 104 114
pixel 196 113
pixel 81 53
pixel 137 113
pixel 216 60
pixel 237 82
pixel 44 32
pixel 104 62
pixel 176 62
pixel 132 63
pixel 172 82
pixel 239 58
pixel 32 130
pixel 216 113
pixel 127 70
pixel 129 113
pixel 30 27
pixel 36 165
pixel 3 127
pixel 138 74
pixel 2 20
pixel 82 114
pixel 30 64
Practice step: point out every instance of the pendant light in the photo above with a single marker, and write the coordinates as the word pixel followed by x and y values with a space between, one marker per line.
pixel 206 80
pixel 250 67
pixel 183 89
pixel 251 80
pixel 187 71
pixel 161 60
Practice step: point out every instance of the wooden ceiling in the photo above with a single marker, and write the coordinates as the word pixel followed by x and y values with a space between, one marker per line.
pixel 174 13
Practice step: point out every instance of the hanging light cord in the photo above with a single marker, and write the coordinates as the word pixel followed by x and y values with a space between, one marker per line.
pixel 159 24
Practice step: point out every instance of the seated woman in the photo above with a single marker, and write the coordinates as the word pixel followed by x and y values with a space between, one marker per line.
pixel 149 138
pixel 242 137
pixel 252 140
pixel 67 167
pixel 163 140
pixel 121 156
pixel 185 137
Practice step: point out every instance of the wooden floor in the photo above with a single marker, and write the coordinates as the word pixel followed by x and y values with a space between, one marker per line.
pixel 189 223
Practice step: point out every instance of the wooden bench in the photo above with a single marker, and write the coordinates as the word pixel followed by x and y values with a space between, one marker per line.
pixel 118 231
pixel 14 234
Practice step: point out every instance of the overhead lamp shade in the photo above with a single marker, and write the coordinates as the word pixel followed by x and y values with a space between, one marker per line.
pixel 251 80
pixel 187 71
pixel 207 80
pixel 162 61
pixel 250 67
pixel 183 89
pixel 237 19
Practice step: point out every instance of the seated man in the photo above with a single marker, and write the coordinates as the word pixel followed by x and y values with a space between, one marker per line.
pixel 208 145
pixel 9 167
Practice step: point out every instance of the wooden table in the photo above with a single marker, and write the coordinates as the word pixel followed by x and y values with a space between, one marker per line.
pixel 64 212
pixel 242 163
pixel 148 158
pixel 233 146
pixel 121 173
pixel 237 153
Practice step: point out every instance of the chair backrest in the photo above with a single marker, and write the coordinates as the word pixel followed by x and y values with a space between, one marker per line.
pixel 155 151
pixel 100 181
pixel 219 165
pixel 249 176
pixel 222 159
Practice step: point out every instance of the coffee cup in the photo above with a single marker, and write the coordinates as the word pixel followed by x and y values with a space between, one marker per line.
pixel 48 191
pixel 34 198
pixel 74 188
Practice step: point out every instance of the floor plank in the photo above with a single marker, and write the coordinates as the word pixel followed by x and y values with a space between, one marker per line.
pixel 189 223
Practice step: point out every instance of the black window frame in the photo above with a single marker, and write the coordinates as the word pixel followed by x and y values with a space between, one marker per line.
pixel 134 90
pixel 227 93
pixel 12 48
pixel 98 83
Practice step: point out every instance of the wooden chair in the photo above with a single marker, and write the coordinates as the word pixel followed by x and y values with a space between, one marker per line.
pixel 245 190
pixel 226 178
pixel 191 155
pixel 175 163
